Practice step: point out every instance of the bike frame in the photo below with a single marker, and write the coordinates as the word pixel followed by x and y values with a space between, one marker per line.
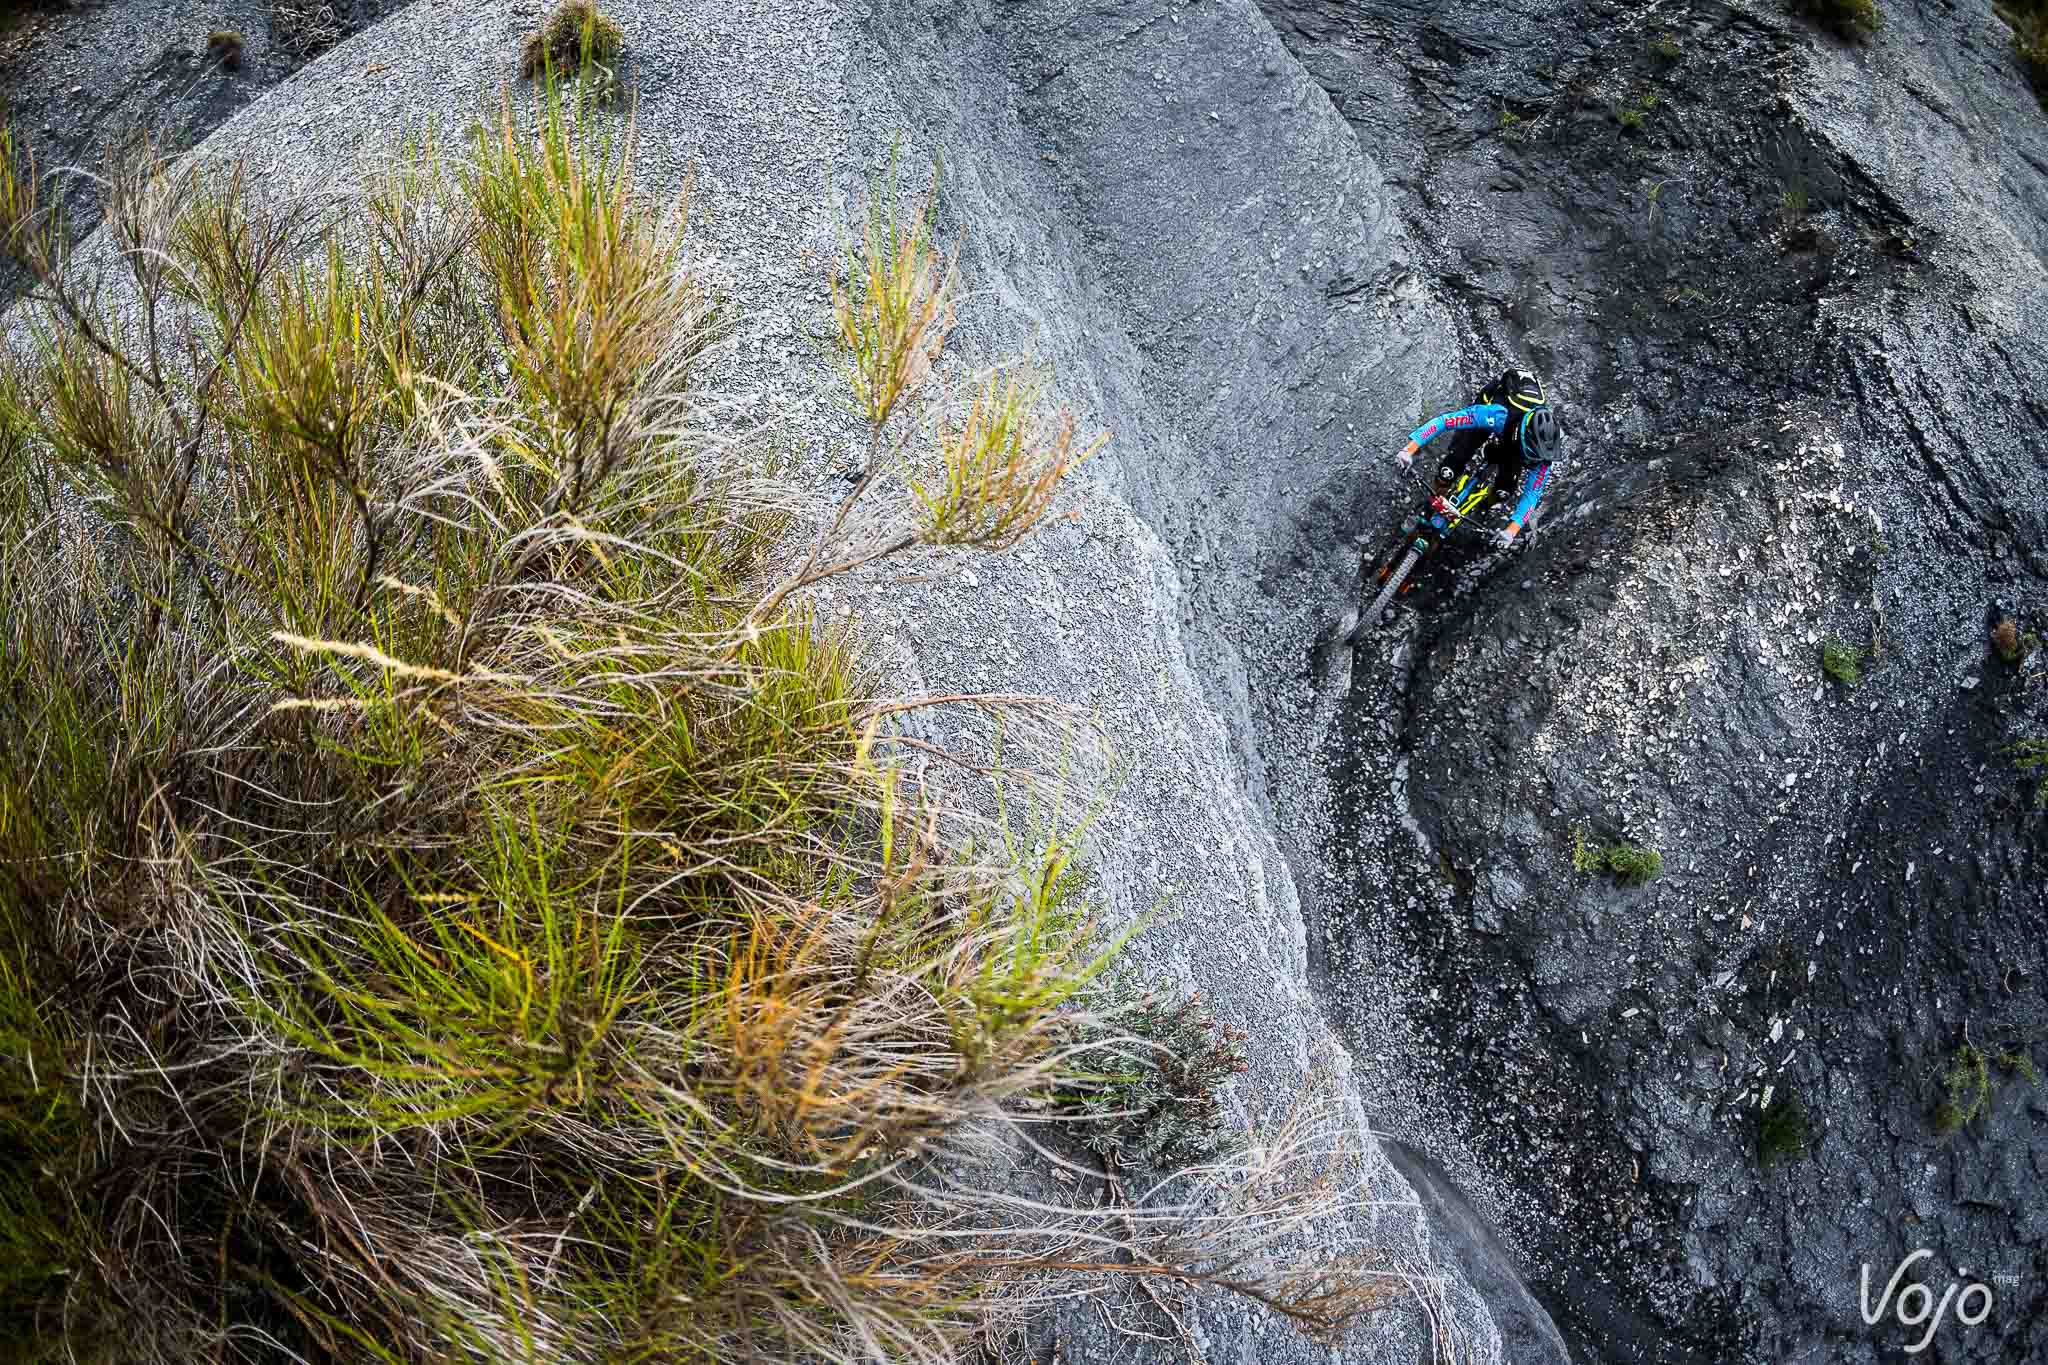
pixel 1446 512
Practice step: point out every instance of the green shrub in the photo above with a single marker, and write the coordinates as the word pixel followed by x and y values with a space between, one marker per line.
pixel 1634 113
pixel 1841 661
pixel 457 900
pixel 1781 1130
pixel 1629 863
pixel 1852 19
pixel 1148 1078
pixel 1665 48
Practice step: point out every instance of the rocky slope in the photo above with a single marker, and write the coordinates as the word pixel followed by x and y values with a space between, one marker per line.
pixel 1794 314
pixel 1790 306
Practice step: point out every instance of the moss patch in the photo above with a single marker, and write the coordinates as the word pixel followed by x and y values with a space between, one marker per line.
pixel 1781 1130
pixel 1841 661
pixel 1630 864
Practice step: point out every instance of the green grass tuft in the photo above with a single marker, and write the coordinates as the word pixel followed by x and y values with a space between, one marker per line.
pixel 1841 661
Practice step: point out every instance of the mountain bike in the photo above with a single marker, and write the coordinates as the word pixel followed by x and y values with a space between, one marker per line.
pixel 1448 507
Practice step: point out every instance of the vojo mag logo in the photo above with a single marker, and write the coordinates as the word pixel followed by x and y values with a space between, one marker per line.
pixel 1915 1305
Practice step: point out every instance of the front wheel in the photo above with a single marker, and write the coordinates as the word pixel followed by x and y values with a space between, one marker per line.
pixel 1371 619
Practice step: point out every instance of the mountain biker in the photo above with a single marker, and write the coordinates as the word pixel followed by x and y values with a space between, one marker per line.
pixel 1516 429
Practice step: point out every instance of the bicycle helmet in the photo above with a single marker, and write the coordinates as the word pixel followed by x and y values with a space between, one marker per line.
pixel 1541 436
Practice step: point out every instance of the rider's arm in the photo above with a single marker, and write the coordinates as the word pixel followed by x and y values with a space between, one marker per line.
pixel 1478 417
pixel 1532 493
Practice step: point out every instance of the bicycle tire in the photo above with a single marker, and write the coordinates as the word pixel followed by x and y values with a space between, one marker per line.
pixel 1371 619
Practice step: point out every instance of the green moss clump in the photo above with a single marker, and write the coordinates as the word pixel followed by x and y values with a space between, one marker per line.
pixel 1968 1084
pixel 1634 865
pixel 1586 856
pixel 1631 864
pixel 1781 1130
pixel 2031 756
pixel 1967 1087
pixel 1841 661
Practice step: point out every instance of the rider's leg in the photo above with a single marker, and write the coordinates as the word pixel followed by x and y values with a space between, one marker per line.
pixel 1507 476
pixel 1457 457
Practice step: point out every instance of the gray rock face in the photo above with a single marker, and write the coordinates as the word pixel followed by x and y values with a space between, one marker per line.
pixel 1788 426
pixel 1790 306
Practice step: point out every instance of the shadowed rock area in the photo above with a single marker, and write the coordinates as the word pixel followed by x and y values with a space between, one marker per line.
pixel 85 80
pixel 1790 307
